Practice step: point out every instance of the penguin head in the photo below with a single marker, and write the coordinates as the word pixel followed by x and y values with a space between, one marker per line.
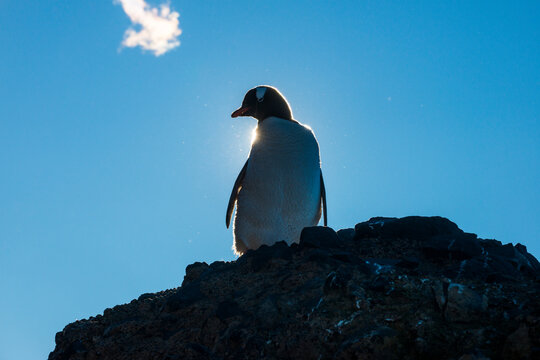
pixel 262 102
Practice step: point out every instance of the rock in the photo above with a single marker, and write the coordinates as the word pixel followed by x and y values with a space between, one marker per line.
pixel 346 234
pixel 319 237
pixel 381 342
pixel 440 293
pixel 464 304
pixel 185 296
pixel 266 256
pixel 146 296
pixel 410 288
pixel 532 262
pixel 454 246
pixel 408 262
pixel 337 281
pixel 194 271
pixel 473 356
pixel 227 309
pixel 518 344
pixel 411 227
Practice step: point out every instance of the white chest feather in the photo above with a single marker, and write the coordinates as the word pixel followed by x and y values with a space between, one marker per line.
pixel 280 193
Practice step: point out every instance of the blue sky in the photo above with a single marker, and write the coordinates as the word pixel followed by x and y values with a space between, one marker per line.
pixel 117 164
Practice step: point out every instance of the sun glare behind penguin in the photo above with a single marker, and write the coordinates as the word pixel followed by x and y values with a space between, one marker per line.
pixel 253 136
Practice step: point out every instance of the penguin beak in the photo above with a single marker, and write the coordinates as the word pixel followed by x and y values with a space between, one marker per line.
pixel 240 112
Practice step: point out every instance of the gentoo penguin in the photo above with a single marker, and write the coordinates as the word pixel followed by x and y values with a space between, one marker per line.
pixel 280 189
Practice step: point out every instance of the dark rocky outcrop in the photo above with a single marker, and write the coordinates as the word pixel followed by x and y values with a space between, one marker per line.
pixel 409 288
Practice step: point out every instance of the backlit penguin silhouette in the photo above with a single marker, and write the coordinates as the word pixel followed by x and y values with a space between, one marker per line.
pixel 280 189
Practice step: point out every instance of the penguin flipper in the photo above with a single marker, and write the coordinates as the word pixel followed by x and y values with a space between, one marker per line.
pixel 234 194
pixel 323 200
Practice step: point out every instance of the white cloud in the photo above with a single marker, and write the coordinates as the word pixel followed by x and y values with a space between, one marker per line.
pixel 158 28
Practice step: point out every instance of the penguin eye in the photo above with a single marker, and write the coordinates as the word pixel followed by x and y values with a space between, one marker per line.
pixel 259 93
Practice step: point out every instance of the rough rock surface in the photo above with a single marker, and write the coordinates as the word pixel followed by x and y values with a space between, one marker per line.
pixel 409 288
